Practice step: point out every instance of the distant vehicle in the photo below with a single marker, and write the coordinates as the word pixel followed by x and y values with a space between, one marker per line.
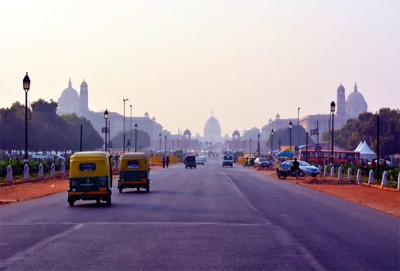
pixel 199 160
pixel 204 158
pixel 41 156
pixel 306 167
pixel 227 160
pixel 261 162
pixel 190 161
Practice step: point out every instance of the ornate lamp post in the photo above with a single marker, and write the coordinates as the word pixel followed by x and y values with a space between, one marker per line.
pixel 290 133
pixel 123 146
pixel 272 139
pixel 258 145
pixel 105 130
pixel 159 146
pixel 165 145
pixel 26 84
pixel 333 129
pixel 130 130
pixel 136 133
pixel 298 128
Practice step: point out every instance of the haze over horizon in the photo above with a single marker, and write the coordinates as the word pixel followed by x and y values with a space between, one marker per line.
pixel 179 60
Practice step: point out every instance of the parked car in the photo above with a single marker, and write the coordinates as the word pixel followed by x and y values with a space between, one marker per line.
pixel 306 167
pixel 199 160
pixel 261 162
pixel 204 158
pixel 41 156
pixel 227 160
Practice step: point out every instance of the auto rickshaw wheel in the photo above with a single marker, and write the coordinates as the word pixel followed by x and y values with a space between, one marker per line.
pixel 71 202
pixel 108 200
pixel 98 201
pixel 147 189
pixel 138 189
pixel 120 189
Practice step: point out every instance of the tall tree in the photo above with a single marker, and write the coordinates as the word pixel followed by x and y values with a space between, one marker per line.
pixel 364 128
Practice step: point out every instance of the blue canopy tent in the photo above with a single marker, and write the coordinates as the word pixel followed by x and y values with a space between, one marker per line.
pixel 288 152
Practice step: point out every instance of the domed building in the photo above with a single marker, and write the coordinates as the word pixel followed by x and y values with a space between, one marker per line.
pixel 212 130
pixel 355 104
pixel 70 102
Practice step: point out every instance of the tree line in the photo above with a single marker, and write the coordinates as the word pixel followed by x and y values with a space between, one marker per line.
pixel 364 128
pixel 47 131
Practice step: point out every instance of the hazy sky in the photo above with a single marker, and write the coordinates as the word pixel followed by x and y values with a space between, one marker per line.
pixel 179 60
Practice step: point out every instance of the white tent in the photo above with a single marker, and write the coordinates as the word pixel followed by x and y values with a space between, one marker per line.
pixel 359 146
pixel 366 152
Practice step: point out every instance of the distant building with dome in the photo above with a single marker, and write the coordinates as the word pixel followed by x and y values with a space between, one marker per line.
pixel 346 109
pixel 70 102
pixel 212 130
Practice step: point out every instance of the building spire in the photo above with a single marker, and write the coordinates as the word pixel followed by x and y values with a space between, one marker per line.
pixel 355 87
pixel 69 83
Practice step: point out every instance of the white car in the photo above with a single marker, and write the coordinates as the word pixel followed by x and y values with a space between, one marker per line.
pixel 199 160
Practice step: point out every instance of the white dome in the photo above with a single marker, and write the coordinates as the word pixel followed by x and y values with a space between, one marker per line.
pixel 212 130
pixel 355 104
pixel 69 101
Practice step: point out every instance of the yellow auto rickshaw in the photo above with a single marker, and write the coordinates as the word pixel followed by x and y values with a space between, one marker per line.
pixel 134 171
pixel 90 177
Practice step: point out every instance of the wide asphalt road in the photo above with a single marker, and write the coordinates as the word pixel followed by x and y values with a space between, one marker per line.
pixel 209 218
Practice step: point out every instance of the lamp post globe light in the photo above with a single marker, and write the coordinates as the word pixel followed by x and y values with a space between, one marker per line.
pixel 333 105
pixel 290 133
pixel 105 130
pixel 136 133
pixel 26 84
pixel 123 145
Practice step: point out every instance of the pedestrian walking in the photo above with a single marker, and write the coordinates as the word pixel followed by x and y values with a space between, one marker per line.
pixel 167 161
pixel 163 161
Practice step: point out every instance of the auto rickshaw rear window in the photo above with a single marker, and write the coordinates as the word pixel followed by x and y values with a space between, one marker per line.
pixel 87 167
pixel 133 164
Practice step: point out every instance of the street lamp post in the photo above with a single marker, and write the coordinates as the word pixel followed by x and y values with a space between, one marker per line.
pixel 105 130
pixel 26 84
pixel 250 146
pixel 130 130
pixel 333 129
pixel 272 139
pixel 173 145
pixel 258 145
pixel 290 133
pixel 298 128
pixel 159 146
pixel 136 133
pixel 165 145
pixel 123 146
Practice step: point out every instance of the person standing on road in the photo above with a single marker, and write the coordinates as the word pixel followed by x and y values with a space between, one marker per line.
pixel 296 167
pixel 167 161
pixel 163 161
